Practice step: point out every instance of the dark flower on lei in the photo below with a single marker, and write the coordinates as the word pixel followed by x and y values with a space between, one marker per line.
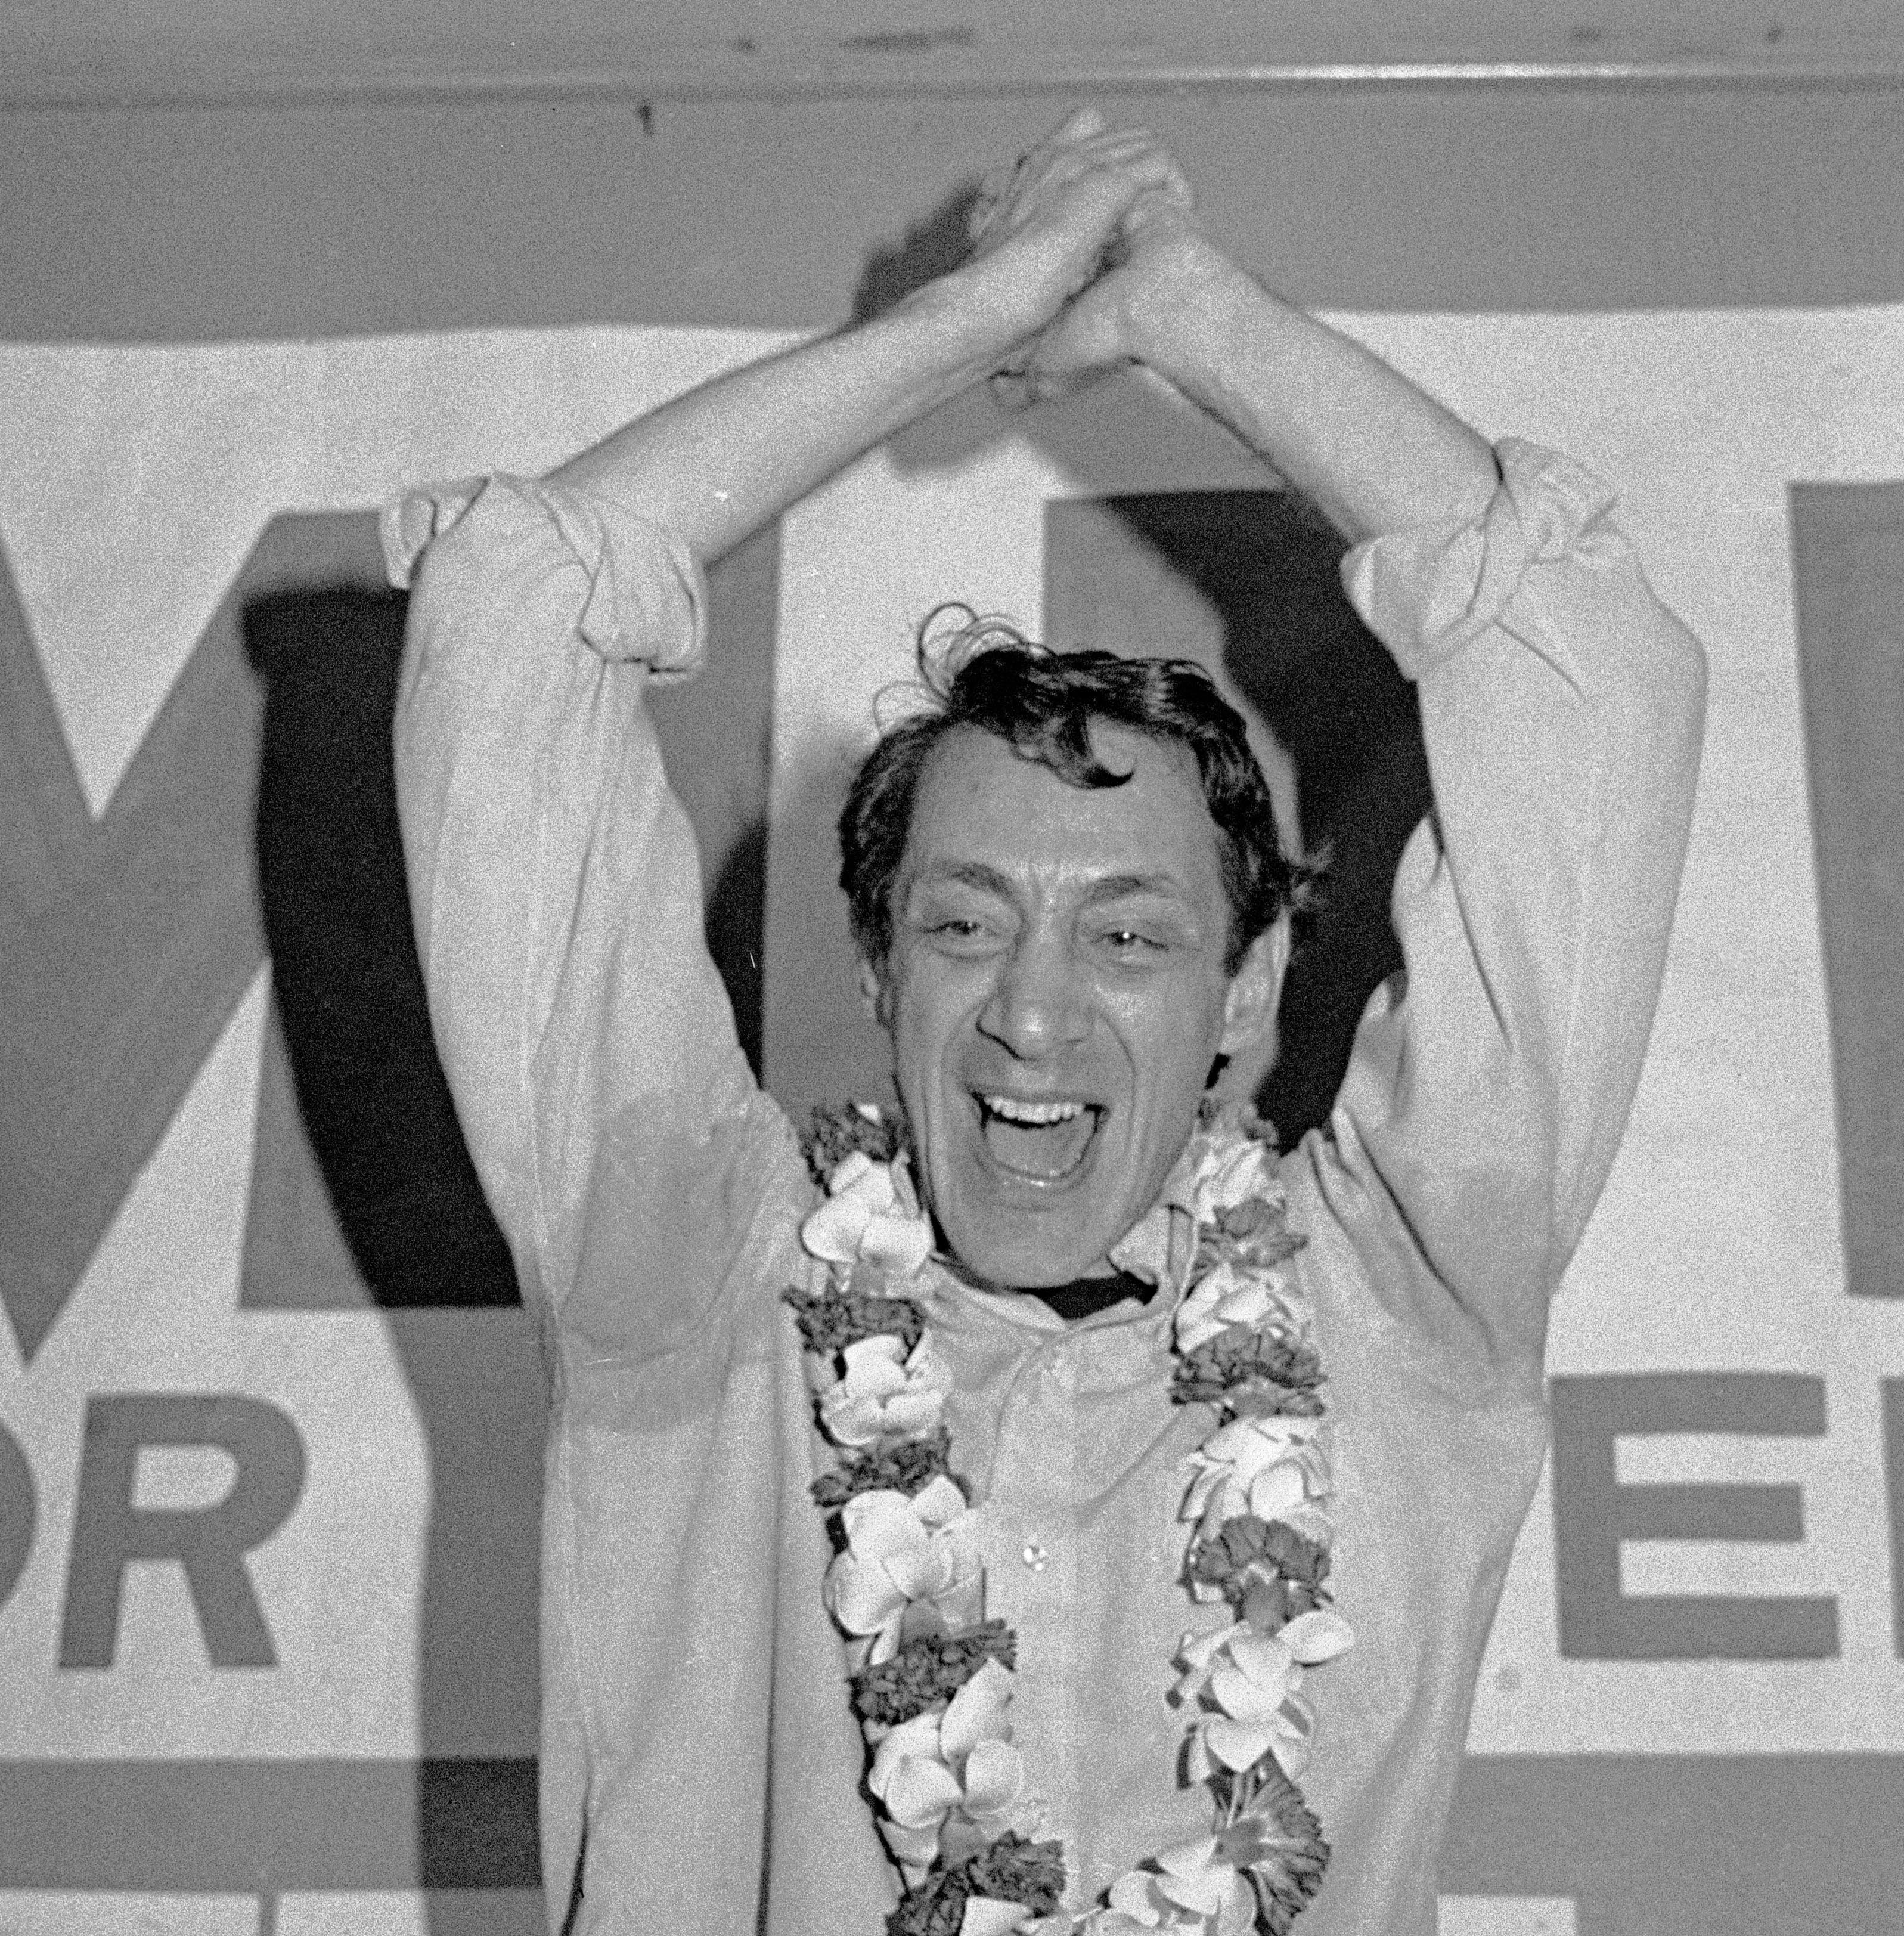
pixel 1268 1572
pixel 1269 1605
pixel 1251 1234
pixel 1252 1372
pixel 1278 1845
pixel 1249 1549
pixel 1012 1870
pixel 836 1130
pixel 928 1669
pixel 900 1466
pixel 831 1320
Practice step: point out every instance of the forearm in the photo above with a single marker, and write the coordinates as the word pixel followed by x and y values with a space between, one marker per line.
pixel 716 464
pixel 1374 452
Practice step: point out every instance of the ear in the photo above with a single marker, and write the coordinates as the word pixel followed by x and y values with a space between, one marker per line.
pixel 1255 993
pixel 873 995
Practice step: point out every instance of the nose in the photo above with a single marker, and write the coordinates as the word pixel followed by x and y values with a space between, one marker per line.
pixel 1040 1004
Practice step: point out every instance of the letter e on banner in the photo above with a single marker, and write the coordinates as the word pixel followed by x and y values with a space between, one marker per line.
pixel 210 1542
pixel 1594 1514
pixel 1893 1390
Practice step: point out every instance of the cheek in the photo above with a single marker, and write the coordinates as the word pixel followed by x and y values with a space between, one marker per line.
pixel 928 1011
pixel 1172 1040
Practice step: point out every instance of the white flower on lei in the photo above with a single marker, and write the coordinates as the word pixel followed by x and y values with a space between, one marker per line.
pixel 1151 1921
pixel 885 1393
pixel 1270 1467
pixel 986 1915
pixel 901 1552
pixel 952 1781
pixel 1193 1889
pixel 1234 1168
pixel 871 1216
pixel 1150 1918
pixel 1226 1296
pixel 1254 1680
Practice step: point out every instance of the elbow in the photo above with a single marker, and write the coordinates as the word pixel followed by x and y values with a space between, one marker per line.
pixel 1670 697
pixel 1687 661
pixel 453 582
pixel 1689 702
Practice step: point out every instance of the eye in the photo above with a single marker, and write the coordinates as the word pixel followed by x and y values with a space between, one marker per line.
pixel 957 917
pixel 962 933
pixel 1130 943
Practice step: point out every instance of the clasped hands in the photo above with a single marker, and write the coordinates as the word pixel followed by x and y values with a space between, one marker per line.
pixel 1092 235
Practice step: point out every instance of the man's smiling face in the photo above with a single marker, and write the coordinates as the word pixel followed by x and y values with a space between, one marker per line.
pixel 1056 994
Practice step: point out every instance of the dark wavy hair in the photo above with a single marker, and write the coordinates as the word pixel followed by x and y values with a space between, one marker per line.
pixel 1041 703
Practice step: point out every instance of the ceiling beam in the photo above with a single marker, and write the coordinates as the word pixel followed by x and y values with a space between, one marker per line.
pixel 952 63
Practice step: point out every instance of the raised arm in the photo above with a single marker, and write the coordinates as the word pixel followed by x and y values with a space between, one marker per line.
pixel 1560 704
pixel 554 877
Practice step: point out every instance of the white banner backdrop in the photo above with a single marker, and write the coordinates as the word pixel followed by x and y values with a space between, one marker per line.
pixel 133 484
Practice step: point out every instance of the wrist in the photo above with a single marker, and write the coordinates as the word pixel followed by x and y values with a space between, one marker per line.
pixel 976 318
pixel 1183 309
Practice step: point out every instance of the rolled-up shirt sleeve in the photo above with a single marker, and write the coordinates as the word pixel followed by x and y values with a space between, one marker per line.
pixel 1491 1080
pixel 554 877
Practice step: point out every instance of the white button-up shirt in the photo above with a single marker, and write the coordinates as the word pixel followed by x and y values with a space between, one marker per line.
pixel 696 1716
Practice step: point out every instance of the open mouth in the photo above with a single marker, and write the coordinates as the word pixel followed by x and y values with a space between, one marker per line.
pixel 1045 1142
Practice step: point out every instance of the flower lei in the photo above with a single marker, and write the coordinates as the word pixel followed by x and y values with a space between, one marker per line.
pixel 933 1678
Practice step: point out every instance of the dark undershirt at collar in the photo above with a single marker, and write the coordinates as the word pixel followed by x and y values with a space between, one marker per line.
pixel 1086 1296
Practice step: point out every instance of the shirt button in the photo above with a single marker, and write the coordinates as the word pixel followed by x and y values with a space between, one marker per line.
pixel 1035 1557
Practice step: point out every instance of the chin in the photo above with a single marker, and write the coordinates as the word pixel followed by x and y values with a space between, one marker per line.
pixel 1020 1267
pixel 1020 1216
pixel 999 1237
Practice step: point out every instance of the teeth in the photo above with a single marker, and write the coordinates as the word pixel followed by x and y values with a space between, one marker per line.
pixel 1042 1113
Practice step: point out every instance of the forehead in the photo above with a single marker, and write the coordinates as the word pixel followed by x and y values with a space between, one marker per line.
pixel 979 800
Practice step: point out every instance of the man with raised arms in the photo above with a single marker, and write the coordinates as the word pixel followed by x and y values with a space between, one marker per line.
pixel 1072 1516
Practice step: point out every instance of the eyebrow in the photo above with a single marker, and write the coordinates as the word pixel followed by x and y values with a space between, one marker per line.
pixel 1118 886
pixel 990 880
pixel 966 873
